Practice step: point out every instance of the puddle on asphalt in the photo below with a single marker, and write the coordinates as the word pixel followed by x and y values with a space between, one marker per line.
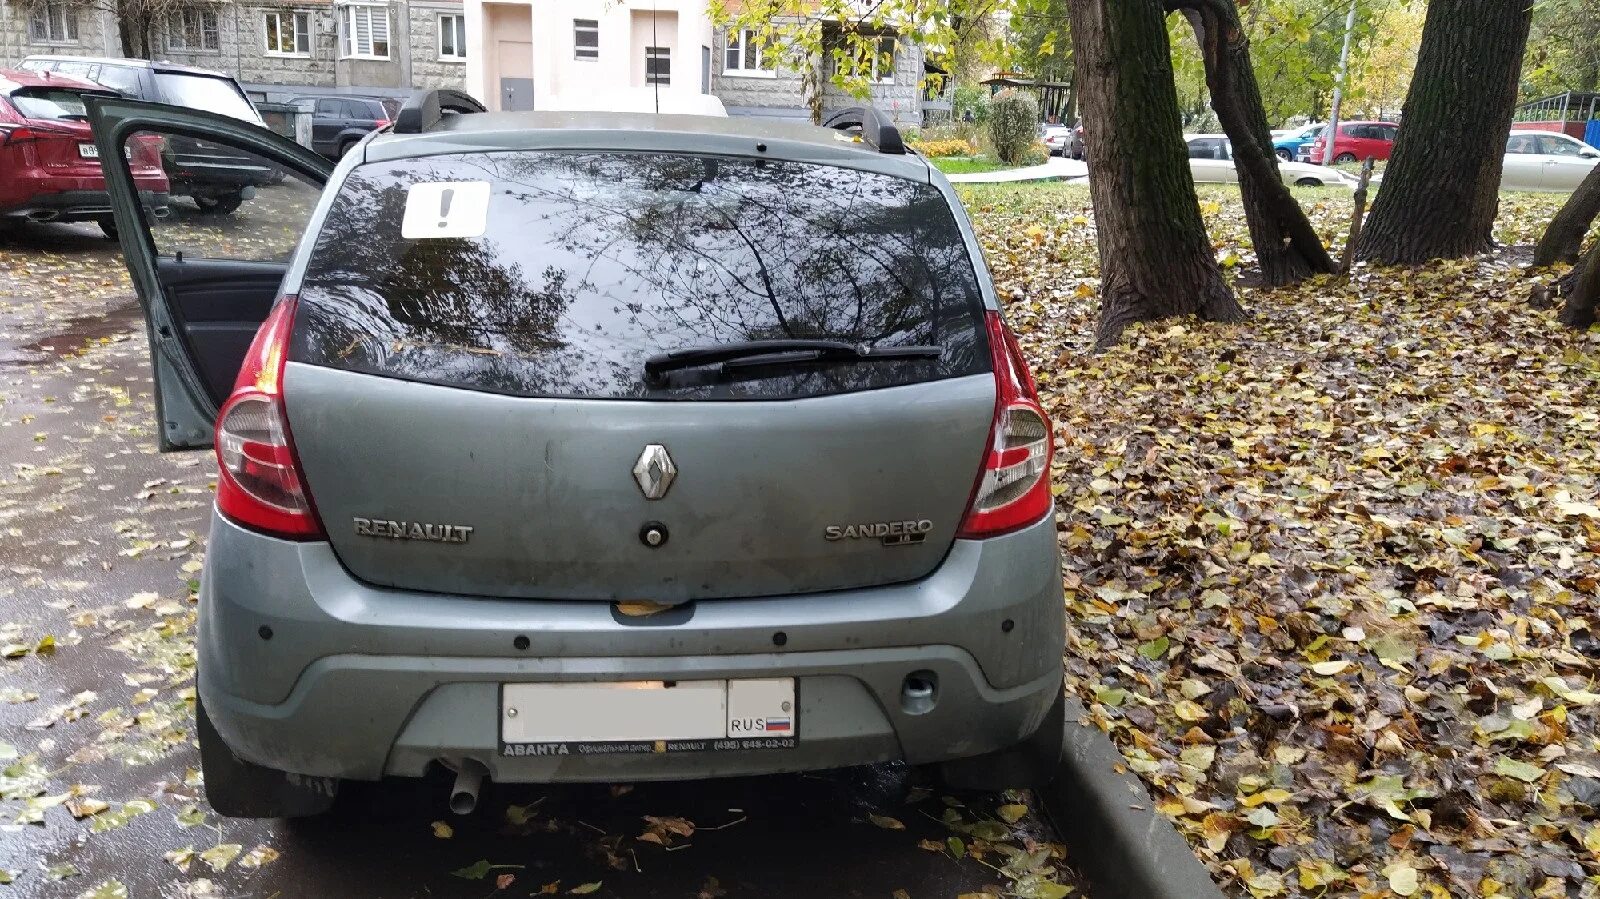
pixel 74 336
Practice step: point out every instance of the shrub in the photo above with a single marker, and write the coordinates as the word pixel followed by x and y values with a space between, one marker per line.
pixel 937 148
pixel 1013 124
pixel 1037 154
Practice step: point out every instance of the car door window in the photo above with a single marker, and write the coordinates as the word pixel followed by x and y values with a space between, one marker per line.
pixel 1206 148
pixel 122 79
pixel 1555 146
pixel 1522 144
pixel 225 203
pixel 329 108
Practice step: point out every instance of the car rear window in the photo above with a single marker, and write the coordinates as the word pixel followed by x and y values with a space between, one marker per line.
pixel 54 103
pixel 590 263
pixel 207 93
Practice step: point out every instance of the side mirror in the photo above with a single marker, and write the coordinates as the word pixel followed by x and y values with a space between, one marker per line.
pixel 1589 154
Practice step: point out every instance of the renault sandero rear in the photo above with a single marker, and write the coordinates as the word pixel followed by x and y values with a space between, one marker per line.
pixel 600 447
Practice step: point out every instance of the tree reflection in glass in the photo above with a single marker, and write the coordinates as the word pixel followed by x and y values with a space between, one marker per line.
pixel 592 262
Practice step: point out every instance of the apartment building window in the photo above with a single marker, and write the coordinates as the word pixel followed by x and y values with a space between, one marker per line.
pixel 877 70
pixel 883 61
pixel 586 38
pixel 658 65
pixel 193 28
pixel 287 33
pixel 365 31
pixel 452 37
pixel 746 56
pixel 54 23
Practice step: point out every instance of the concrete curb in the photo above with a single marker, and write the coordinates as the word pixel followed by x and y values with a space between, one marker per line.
pixel 1114 834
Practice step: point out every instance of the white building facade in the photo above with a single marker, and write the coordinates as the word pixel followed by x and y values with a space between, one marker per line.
pixel 522 53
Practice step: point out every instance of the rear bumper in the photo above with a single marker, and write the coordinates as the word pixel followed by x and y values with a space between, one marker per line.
pixel 77 205
pixel 361 682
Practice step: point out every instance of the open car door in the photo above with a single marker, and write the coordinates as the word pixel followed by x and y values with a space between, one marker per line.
pixel 207 274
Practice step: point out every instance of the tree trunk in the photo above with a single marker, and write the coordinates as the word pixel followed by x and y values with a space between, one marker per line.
pixel 1563 238
pixel 1583 299
pixel 128 34
pixel 1287 247
pixel 1155 258
pixel 1442 186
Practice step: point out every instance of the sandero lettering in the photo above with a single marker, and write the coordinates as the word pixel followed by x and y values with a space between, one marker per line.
pixel 892 533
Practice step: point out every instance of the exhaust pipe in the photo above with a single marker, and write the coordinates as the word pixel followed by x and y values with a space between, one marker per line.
pixel 42 215
pixel 464 795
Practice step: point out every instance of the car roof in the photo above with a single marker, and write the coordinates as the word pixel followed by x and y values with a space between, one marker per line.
pixel 155 65
pixel 12 79
pixel 738 135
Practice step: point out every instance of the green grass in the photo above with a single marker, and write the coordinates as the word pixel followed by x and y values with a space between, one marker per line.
pixel 967 165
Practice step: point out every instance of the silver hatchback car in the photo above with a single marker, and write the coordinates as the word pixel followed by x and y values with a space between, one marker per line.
pixel 598 447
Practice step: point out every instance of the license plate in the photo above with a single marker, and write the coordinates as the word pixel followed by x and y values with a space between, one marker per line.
pixel 648 717
pixel 91 151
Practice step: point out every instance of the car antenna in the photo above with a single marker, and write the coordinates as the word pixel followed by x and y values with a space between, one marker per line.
pixel 656 45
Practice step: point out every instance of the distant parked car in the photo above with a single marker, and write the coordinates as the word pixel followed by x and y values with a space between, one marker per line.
pixel 1356 141
pixel 1058 138
pixel 1287 143
pixel 1541 160
pixel 1211 161
pixel 217 181
pixel 49 166
pixel 338 122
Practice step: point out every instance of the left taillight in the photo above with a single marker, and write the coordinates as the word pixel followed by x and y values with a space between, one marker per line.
pixel 260 484
pixel 1013 489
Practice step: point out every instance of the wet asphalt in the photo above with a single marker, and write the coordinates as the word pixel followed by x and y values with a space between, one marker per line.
pixel 101 538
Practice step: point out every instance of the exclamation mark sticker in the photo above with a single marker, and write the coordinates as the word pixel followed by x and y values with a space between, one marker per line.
pixel 444 207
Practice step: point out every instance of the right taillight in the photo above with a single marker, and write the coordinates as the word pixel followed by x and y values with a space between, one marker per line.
pixel 259 484
pixel 1013 488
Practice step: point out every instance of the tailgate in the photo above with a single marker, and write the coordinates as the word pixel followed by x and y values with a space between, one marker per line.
pixel 397 470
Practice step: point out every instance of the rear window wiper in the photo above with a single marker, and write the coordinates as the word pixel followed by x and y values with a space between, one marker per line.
pixel 782 351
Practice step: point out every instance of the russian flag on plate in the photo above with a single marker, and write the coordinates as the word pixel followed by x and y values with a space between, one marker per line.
pixel 777 724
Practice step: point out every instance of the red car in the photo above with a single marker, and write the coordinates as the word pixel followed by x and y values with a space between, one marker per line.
pixel 49 167
pixel 1356 141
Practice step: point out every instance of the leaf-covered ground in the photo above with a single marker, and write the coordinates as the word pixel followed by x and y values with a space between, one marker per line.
pixel 1333 574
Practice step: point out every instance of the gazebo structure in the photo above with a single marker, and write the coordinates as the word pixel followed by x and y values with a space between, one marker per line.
pixel 1056 100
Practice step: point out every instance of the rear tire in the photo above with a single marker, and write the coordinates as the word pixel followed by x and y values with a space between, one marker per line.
pixel 1308 182
pixel 1029 764
pixel 1345 157
pixel 344 147
pixel 240 789
pixel 219 204
pixel 108 226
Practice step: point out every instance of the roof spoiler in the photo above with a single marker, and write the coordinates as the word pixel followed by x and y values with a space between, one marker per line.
pixel 423 111
pixel 876 128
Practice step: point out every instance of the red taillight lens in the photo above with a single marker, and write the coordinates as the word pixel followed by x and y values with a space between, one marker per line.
pixel 259 483
pixel 1013 489
pixel 381 123
pixel 17 135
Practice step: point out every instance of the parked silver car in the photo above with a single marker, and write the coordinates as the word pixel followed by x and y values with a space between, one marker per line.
pixel 591 447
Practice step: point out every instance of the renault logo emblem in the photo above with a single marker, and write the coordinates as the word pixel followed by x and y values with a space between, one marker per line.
pixel 654 471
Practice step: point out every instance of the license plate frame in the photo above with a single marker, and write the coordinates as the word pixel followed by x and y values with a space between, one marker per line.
pixel 648 717
pixel 88 151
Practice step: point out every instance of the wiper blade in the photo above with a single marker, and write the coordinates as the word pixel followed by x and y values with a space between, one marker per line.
pixel 753 353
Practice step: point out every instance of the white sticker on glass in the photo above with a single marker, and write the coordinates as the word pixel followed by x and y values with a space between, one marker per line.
pixel 446 209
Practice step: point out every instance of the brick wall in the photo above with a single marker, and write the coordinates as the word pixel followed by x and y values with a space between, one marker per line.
pixel 241 51
pixel 783 96
pixel 97 35
pixel 427 69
